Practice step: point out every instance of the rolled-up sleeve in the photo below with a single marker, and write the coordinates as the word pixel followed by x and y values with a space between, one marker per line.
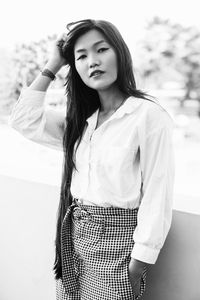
pixel 30 118
pixel 157 172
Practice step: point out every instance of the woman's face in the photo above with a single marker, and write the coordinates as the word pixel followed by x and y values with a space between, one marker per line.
pixel 95 60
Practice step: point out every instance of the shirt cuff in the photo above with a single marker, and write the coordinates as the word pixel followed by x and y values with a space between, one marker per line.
pixel 145 253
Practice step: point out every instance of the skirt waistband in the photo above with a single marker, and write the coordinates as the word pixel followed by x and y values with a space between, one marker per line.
pixel 113 216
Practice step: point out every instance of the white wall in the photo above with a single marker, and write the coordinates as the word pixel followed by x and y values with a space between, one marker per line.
pixel 176 274
pixel 27 231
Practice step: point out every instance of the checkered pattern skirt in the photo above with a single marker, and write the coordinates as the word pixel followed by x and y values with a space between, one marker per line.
pixel 96 246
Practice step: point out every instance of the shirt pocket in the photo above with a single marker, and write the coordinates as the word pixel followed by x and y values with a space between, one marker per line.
pixel 115 169
pixel 116 156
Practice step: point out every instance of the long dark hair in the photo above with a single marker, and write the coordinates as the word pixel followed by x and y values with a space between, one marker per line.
pixel 82 102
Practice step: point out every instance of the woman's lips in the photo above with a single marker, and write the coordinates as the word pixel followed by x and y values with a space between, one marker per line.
pixel 96 73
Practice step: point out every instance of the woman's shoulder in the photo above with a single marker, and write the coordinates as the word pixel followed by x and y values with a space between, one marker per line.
pixel 153 113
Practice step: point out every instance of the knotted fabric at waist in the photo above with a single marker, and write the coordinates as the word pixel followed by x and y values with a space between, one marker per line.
pixel 108 216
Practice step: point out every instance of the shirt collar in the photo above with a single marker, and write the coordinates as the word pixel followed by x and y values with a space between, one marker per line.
pixel 92 119
pixel 127 107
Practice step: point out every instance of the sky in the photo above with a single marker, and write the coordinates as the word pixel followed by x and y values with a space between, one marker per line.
pixel 24 20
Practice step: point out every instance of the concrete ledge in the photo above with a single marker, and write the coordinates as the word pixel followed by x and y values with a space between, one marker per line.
pixel 27 230
pixel 176 274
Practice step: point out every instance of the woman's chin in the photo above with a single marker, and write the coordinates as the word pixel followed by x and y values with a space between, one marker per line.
pixel 100 87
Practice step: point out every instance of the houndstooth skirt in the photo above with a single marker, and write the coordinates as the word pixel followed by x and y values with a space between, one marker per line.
pixel 96 246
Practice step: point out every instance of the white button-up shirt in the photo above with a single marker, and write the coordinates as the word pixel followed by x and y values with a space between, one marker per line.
pixel 126 162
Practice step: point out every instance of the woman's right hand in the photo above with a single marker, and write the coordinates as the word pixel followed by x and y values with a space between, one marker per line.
pixel 54 64
pixel 57 60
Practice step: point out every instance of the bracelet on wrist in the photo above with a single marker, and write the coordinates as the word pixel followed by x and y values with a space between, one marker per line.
pixel 48 73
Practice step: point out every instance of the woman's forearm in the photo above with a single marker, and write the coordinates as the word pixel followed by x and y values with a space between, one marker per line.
pixel 54 64
pixel 41 83
pixel 137 265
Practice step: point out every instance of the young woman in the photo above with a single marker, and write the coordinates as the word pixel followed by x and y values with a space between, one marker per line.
pixel 118 172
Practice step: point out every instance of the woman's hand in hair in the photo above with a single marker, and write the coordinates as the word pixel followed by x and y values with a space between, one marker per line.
pixel 54 64
pixel 136 269
pixel 57 60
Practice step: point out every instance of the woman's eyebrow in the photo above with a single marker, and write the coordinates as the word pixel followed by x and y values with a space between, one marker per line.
pixel 95 44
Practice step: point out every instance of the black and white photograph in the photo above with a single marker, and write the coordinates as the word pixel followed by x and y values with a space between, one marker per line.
pixel 100 150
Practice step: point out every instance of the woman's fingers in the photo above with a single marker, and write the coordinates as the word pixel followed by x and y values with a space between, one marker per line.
pixel 136 290
pixel 61 39
pixel 57 56
pixel 135 287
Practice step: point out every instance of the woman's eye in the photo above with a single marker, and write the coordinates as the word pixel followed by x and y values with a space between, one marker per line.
pixel 102 49
pixel 81 57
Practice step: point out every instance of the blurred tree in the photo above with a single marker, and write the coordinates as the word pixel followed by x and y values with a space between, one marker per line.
pixel 170 52
pixel 6 80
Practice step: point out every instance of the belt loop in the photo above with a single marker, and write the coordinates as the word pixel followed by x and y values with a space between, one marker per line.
pixel 75 201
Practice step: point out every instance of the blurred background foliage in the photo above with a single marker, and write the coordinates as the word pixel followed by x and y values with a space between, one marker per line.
pixel 167 57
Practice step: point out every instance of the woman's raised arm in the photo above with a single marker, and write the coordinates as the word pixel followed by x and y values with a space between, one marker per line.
pixel 29 116
pixel 54 64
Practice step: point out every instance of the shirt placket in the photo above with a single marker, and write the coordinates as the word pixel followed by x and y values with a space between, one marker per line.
pixel 91 135
pixel 92 140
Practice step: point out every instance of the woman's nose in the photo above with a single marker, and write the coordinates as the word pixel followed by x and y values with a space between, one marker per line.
pixel 93 62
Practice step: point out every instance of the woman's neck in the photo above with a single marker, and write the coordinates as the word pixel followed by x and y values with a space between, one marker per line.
pixel 110 99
